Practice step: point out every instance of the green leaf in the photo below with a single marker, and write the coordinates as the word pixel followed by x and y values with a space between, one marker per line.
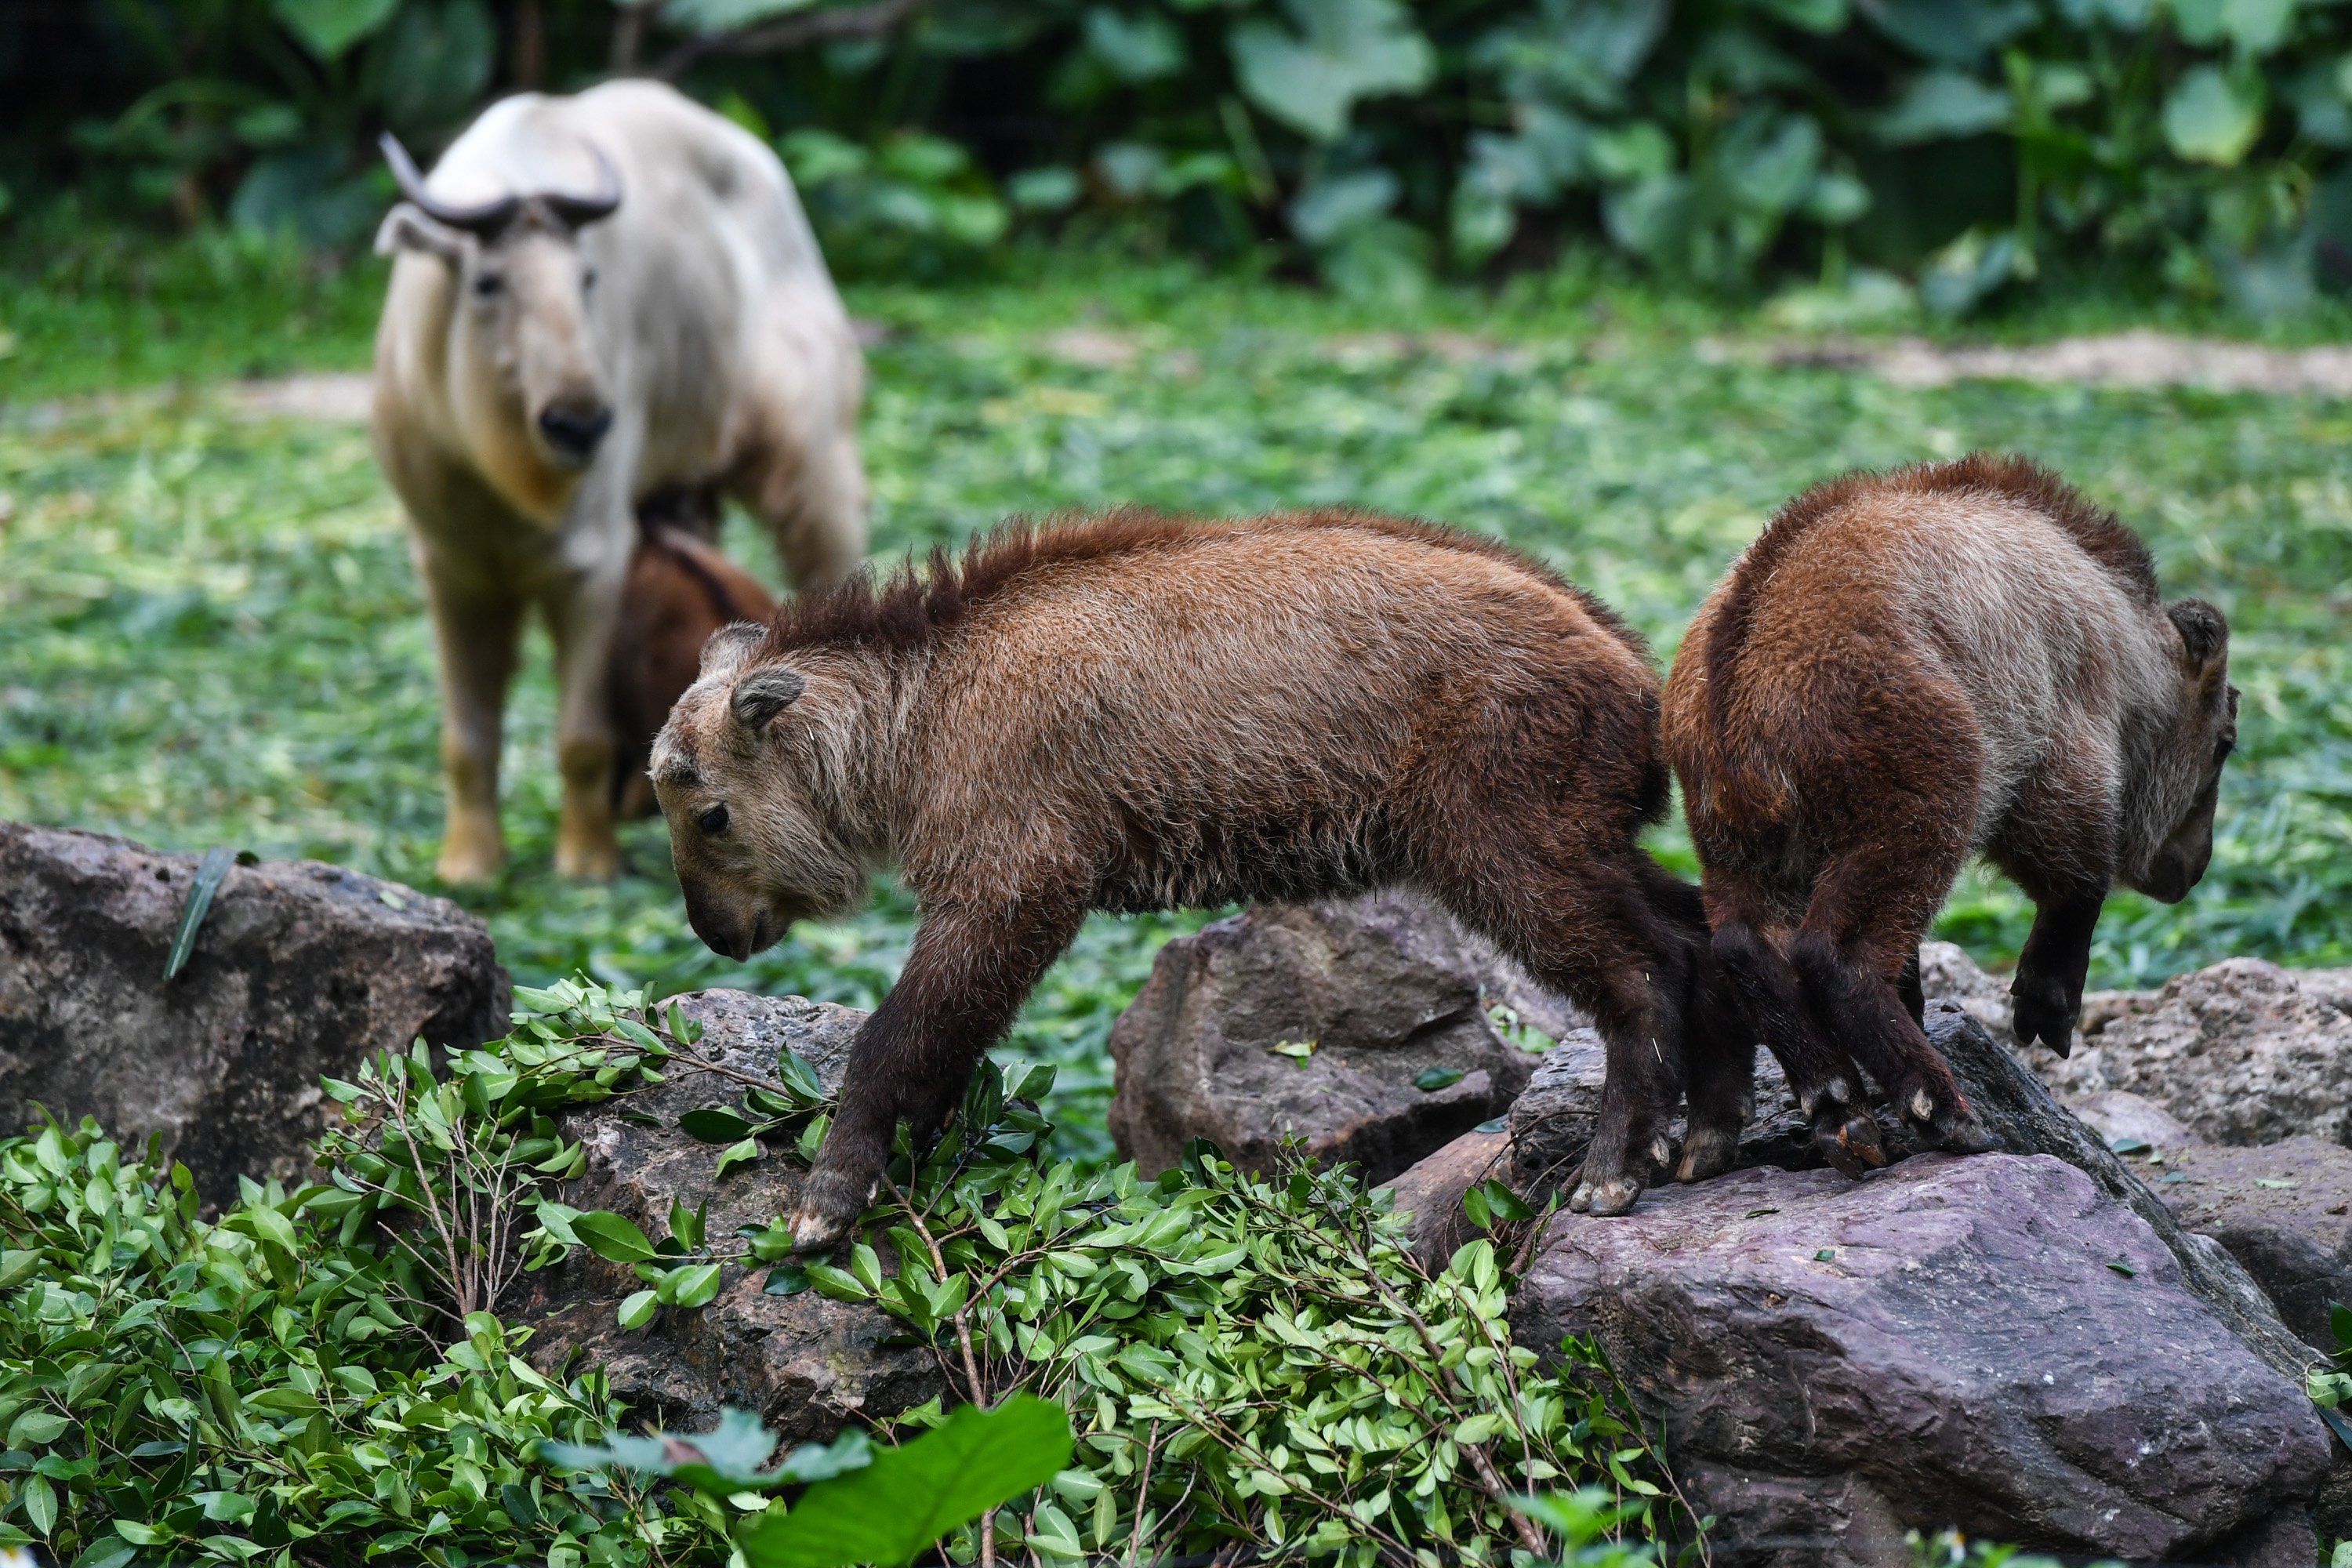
pixel 836 1284
pixel 1343 50
pixel 2340 1320
pixel 329 27
pixel 725 1459
pixel 38 1428
pixel 40 1501
pixel 1473 1204
pixel 210 872
pixel 1504 1204
pixel 16 1267
pixel 746 1153
pixel 1431 1080
pixel 696 1285
pixel 2212 117
pixel 714 1124
pixel 910 1496
pixel 785 1279
pixel 2125 1269
pixel 639 1308
pixel 1943 105
pixel 610 1238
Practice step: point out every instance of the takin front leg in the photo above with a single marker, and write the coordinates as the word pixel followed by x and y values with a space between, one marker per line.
pixel 1718 1049
pixel 583 614
pixel 478 632
pixel 2046 997
pixel 967 977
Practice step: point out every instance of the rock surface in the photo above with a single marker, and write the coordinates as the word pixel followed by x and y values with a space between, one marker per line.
pixel 2284 1211
pixel 801 1360
pixel 1432 1193
pixel 1943 1343
pixel 2121 1117
pixel 300 970
pixel 2242 1052
pixel 1552 1121
pixel 1382 987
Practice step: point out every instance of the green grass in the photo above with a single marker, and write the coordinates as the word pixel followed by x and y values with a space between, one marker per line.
pixel 210 632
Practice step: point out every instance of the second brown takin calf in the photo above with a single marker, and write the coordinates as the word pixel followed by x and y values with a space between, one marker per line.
pixel 1906 670
pixel 1137 713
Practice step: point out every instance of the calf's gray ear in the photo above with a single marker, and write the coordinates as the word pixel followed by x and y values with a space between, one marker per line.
pixel 728 646
pixel 2203 632
pixel 764 693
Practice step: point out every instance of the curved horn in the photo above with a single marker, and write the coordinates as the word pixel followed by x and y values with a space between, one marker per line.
pixel 478 220
pixel 577 211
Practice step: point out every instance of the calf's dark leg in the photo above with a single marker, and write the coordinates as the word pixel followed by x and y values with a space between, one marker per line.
pixel 2046 997
pixel 1718 1049
pixel 967 977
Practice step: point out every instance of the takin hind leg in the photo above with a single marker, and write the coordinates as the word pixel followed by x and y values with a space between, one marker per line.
pixel 1857 938
pixel 1718 1049
pixel 1584 927
pixel 1766 988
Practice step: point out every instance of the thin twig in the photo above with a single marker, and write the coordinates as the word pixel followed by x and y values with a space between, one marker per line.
pixel 1142 1495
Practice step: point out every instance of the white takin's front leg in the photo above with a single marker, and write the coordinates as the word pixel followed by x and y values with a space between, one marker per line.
pixel 477 627
pixel 582 610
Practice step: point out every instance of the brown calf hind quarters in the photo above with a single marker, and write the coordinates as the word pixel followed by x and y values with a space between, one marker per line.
pixel 1131 712
pixel 1906 670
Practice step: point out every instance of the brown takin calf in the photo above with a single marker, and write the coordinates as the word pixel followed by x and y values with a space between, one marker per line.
pixel 681 590
pixel 1905 670
pixel 1135 714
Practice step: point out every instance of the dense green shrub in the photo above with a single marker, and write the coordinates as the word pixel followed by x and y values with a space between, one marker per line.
pixel 321 1374
pixel 1977 143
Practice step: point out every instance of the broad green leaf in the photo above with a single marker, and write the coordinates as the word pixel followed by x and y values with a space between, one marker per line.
pixel 1341 51
pixel 1139 48
pixel 785 1279
pixel 40 1501
pixel 723 1460
pixel 909 1496
pixel 16 1267
pixel 696 1285
pixel 1943 105
pixel 2213 117
pixel 1431 1080
pixel 638 1308
pixel 746 1153
pixel 610 1238
pixel 327 29
pixel 714 1124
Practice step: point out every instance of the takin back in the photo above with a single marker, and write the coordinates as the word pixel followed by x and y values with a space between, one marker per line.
pixel 1906 670
pixel 1135 712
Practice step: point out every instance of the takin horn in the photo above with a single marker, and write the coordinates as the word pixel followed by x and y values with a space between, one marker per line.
pixel 478 220
pixel 576 211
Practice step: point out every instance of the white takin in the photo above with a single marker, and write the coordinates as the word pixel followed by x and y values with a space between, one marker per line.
pixel 598 301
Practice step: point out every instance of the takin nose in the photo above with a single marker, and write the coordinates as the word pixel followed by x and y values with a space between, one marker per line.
pixel 574 427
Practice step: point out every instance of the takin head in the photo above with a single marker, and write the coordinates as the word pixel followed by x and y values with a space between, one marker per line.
pixel 2182 781
pixel 524 328
pixel 750 772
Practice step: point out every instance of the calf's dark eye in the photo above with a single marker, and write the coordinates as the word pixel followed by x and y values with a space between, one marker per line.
pixel 712 821
pixel 488 284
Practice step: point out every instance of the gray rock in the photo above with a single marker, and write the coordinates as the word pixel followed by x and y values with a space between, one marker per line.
pixel 2243 1052
pixel 1382 987
pixel 2120 1116
pixel 1943 1343
pixel 1432 1193
pixel 1946 974
pixel 300 970
pixel 803 1362
pixel 2284 1211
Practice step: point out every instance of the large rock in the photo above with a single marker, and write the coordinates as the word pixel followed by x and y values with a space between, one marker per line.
pixel 1950 1342
pixel 2284 1211
pixel 1432 1189
pixel 1552 1122
pixel 2243 1052
pixel 803 1362
pixel 1384 988
pixel 300 970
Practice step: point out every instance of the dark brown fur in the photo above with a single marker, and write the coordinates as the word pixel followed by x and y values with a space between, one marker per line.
pixel 1976 661
pixel 681 590
pixel 1133 713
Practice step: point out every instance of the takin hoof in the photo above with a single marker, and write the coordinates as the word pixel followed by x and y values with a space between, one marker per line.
pixel 1951 1126
pixel 2044 1015
pixel 1707 1153
pixel 829 1207
pixel 1849 1140
pixel 1614 1196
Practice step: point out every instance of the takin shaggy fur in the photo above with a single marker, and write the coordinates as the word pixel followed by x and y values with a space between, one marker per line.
pixel 1134 713
pixel 1903 672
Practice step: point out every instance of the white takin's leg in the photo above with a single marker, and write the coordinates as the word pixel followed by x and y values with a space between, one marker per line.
pixel 477 627
pixel 582 610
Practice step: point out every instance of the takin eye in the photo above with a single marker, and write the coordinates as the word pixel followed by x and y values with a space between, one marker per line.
pixel 714 821
pixel 488 285
pixel 588 279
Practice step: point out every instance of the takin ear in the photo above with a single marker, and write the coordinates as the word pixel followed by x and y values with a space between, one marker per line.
pixel 728 647
pixel 764 693
pixel 406 227
pixel 2204 635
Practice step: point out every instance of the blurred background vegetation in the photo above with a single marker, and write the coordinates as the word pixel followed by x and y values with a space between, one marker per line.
pixel 1937 151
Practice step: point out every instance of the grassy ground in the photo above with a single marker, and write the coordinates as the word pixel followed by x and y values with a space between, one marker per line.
pixel 209 630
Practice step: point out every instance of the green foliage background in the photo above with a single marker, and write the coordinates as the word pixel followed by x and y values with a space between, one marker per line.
pixel 2194 145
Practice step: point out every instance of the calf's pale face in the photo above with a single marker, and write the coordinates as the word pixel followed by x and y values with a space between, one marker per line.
pixel 749 774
